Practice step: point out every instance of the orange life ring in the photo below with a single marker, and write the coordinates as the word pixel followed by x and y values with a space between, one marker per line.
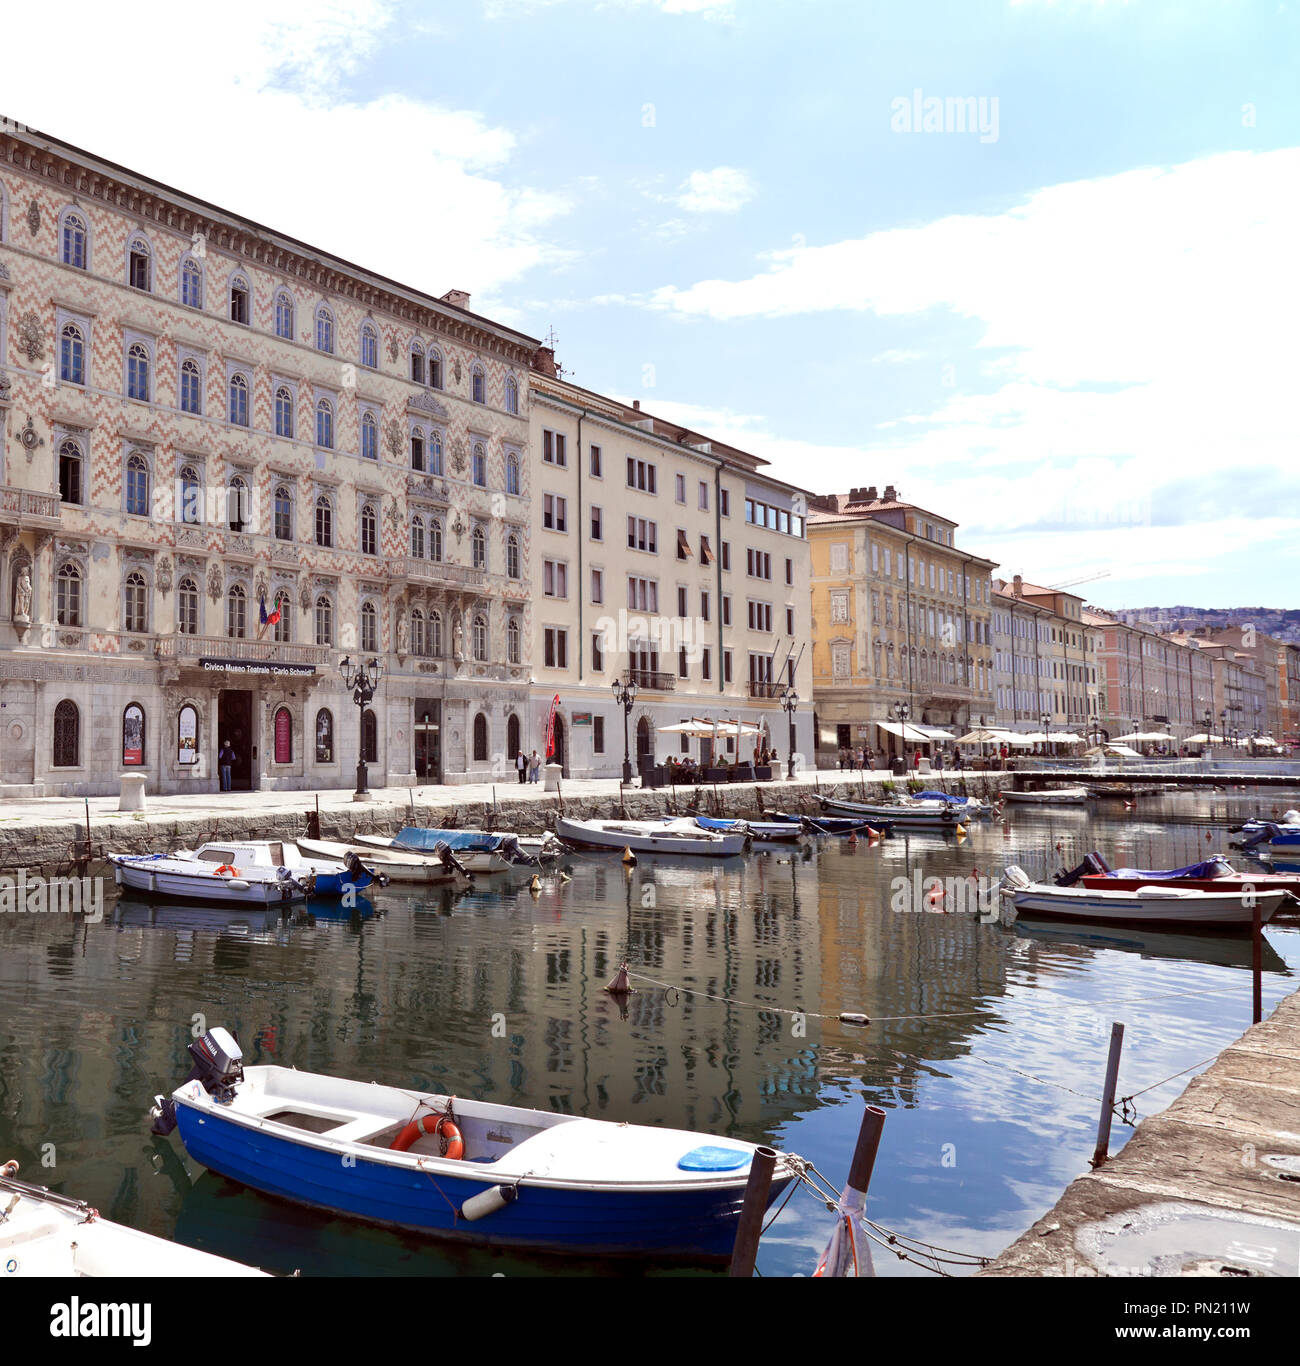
pixel 442 1127
pixel 226 868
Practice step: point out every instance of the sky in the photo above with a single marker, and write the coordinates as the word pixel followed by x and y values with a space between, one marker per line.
pixel 1031 261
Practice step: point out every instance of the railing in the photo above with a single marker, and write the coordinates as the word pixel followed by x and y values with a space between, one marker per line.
pixel 439 572
pixel 182 647
pixel 766 688
pixel 29 507
pixel 652 680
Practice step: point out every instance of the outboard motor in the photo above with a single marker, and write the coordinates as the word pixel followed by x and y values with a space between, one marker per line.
pixel 1092 863
pixel 218 1065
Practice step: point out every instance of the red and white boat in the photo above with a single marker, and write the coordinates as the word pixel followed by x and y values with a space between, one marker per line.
pixel 1215 874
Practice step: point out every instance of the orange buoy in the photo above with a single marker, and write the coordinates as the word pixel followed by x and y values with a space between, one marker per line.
pixel 452 1145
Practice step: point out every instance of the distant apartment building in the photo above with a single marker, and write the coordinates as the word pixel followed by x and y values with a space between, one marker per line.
pixel 1276 662
pixel 663 560
pixel 901 617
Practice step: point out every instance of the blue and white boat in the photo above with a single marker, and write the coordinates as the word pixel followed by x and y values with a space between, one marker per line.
pixel 771 831
pixel 462 1169
pixel 476 851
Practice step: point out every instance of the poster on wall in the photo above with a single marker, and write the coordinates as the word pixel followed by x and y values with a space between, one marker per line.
pixel 133 735
pixel 283 736
pixel 187 736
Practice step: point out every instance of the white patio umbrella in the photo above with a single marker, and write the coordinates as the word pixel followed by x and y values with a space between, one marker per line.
pixel 1145 737
pixel 1202 739
pixel 982 737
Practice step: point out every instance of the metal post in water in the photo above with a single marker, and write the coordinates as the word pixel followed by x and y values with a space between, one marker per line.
pixel 1108 1095
pixel 864 1154
pixel 1256 961
pixel 745 1251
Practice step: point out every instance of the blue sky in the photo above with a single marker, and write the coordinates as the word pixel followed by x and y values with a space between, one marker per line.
pixel 1072 332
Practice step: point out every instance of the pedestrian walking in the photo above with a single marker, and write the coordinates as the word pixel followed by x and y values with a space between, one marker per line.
pixel 521 766
pixel 226 761
pixel 535 767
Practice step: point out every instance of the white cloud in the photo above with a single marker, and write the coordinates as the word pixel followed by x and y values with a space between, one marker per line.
pixel 257 113
pixel 725 189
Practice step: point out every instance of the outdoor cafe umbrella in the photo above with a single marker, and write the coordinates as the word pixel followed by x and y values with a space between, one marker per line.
pixel 1202 739
pixel 1145 737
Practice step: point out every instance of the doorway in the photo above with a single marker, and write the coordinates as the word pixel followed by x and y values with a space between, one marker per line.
pixel 428 751
pixel 235 724
pixel 645 748
pixel 558 753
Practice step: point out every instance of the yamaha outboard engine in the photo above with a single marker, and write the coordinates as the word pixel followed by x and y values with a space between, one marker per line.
pixel 218 1064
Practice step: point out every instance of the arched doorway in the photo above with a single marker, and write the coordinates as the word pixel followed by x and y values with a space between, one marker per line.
pixel 559 750
pixel 512 739
pixel 645 745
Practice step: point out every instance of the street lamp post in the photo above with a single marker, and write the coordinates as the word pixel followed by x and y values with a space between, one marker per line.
pixel 901 712
pixel 1046 720
pixel 361 680
pixel 625 697
pixel 790 701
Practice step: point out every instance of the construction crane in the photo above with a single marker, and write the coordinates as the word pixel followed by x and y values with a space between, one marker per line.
pixel 1087 578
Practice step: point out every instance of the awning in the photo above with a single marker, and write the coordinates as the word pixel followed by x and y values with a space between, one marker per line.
pixel 706 555
pixel 934 732
pixel 683 545
pixel 905 732
pixel 1203 739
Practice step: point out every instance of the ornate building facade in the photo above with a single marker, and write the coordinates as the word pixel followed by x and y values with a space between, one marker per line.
pixel 231 460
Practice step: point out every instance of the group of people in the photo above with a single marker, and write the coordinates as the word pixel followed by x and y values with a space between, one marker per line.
pixel 528 767
pixel 862 757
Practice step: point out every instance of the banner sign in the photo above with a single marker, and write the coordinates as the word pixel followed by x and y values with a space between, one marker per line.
pixel 258 667
pixel 187 736
pixel 582 718
pixel 550 725
pixel 132 735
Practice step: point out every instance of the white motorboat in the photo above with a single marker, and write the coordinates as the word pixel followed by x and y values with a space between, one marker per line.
pixel 43 1233
pixel 183 877
pixel 399 865
pixel 1049 796
pixel 1163 904
pixel 681 836
pixel 477 851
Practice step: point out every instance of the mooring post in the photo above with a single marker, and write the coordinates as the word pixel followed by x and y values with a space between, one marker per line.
pixel 1102 1151
pixel 1256 961
pixel 745 1251
pixel 622 810
pixel 864 1155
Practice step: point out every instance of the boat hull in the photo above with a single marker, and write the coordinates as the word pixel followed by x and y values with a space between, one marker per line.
pixel 203 889
pixel 928 818
pixel 1119 908
pixel 1263 882
pixel 690 1225
pixel 1066 796
pixel 616 835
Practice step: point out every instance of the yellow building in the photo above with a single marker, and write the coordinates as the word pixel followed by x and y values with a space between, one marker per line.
pixel 901 618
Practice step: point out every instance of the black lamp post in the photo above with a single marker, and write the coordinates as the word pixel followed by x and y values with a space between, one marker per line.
pixel 1046 720
pixel 361 680
pixel 901 712
pixel 790 701
pixel 625 697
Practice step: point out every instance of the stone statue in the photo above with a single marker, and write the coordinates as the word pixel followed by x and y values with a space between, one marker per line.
pixel 403 634
pixel 23 597
pixel 458 639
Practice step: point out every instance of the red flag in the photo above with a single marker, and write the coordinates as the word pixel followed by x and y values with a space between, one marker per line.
pixel 550 725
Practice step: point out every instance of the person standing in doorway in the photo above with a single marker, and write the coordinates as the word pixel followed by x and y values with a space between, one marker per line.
pixel 521 766
pixel 535 768
pixel 226 761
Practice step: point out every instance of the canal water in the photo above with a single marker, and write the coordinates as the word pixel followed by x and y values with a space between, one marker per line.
pixel 986 1045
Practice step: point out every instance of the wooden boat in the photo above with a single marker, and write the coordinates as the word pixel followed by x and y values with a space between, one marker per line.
pixel 1049 796
pixel 835 825
pixel 462 1169
pixel 921 815
pixel 652 837
pixel 182 877
pixel 1212 875
pixel 770 832
pixel 398 864
pixel 1169 905
pixel 477 851
pixel 43 1233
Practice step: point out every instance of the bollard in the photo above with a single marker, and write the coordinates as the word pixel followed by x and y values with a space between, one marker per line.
pixel 745 1251
pixel 1102 1151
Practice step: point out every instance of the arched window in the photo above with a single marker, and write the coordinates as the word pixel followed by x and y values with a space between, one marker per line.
pixel 324 521
pixel 67 604
pixel 191 388
pixel 135 604
pixel 137 486
pixel 369 737
pixel 512 641
pixel 241 301
pixel 324 621
pixel 238 503
pixel 369 629
pixel 187 607
pixel 139 265
pixel 417 537
pixel 67 735
pixel 324 330
pixel 369 436
pixel 76 240
pixel 512 556
pixel 418 641
pixel 512 472
pixel 435 540
pixel 512 394
pixel 72 354
pixel 417 448
pixel 435 633
pixel 480 639
pixel 324 736
pixel 283 514
pixel 282 735
pixel 137 372
pixel 284 622
pixel 71 472
pixel 478 384
pixel 191 283
pixel 480 466
pixel 325 424
pixel 236 613
pixel 284 411
pixel 369 530
pixel 435 368
pixel 239 400
pixel 369 346
pixel 480 737
pixel 478 547
pixel 512 736
pixel 435 452
pixel 417 363
pixel 284 315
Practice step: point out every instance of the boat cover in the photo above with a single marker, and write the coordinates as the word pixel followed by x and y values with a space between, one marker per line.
pixel 940 797
pixel 458 841
pixel 1210 868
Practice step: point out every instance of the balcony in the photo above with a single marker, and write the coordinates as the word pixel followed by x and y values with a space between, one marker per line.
pixel 188 650
pixel 27 507
pixel 766 688
pixel 650 680
pixel 436 571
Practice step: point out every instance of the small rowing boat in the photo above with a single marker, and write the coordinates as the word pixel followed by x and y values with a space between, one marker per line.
pixel 769 832
pixel 462 1169
pixel 398 865
pixel 931 815
pixel 478 851
pixel 652 837
pixel 1048 796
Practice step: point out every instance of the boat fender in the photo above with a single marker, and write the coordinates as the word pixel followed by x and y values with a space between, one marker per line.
pixel 488 1202
pixel 629 857
pixel 854 1017
pixel 238 883
pixel 450 1142
pixel 961 830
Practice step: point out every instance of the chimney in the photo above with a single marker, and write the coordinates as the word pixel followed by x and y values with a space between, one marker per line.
pixel 636 403
pixel 457 298
pixel 891 496
pixel 1018 586
pixel 544 362
pixel 871 494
